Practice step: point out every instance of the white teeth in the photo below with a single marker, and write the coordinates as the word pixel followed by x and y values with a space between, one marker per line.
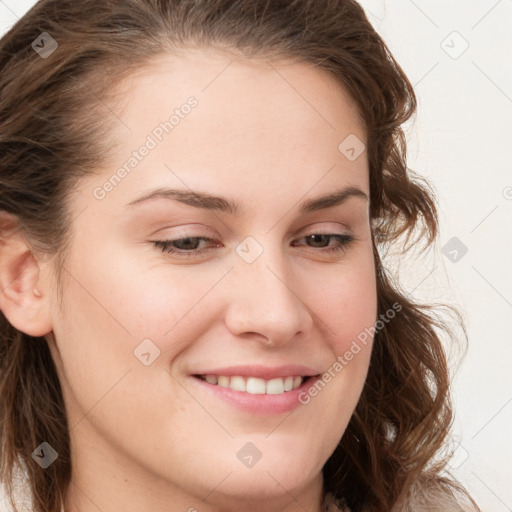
pixel 275 387
pixel 288 384
pixel 254 385
pixel 238 384
pixel 223 381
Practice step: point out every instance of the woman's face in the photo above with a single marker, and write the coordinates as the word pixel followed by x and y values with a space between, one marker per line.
pixel 257 296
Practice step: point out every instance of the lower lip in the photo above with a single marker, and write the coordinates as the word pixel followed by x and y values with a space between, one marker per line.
pixel 261 404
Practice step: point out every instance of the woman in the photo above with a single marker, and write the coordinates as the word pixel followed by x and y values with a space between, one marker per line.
pixel 195 316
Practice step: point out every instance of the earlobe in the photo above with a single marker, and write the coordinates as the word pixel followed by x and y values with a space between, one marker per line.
pixel 23 299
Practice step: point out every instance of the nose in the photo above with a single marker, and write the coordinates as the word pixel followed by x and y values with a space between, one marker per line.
pixel 266 300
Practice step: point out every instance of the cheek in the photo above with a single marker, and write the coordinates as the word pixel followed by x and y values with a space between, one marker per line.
pixel 110 308
pixel 107 314
pixel 125 302
pixel 345 303
pixel 344 299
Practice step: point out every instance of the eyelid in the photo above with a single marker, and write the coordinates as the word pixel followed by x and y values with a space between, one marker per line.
pixel 187 231
pixel 313 228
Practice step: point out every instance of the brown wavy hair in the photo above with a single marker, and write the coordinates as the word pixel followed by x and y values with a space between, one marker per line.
pixel 53 130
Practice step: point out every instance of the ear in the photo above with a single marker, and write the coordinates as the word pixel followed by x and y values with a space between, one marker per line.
pixel 24 299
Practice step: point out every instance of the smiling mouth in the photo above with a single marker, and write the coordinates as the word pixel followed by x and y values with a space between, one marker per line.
pixel 255 385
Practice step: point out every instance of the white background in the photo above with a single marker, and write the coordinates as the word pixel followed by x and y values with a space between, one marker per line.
pixel 459 140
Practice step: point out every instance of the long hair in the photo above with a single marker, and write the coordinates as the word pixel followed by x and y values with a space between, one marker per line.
pixel 53 131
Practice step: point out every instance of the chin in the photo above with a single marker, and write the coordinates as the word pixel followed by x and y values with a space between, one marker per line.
pixel 268 482
pixel 275 467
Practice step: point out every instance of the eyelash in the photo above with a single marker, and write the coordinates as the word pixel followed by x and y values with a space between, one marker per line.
pixel 165 245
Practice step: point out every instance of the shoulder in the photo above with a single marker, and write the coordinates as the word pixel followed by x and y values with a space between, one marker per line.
pixel 435 493
pixel 428 494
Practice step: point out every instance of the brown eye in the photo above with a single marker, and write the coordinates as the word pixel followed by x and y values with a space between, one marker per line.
pixel 187 246
pixel 320 239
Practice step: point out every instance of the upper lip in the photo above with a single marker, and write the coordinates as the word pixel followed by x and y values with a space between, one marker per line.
pixel 262 372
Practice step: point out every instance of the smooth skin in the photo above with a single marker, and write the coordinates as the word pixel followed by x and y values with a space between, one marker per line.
pixel 264 135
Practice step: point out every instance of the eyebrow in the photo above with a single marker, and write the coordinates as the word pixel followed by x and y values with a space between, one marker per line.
pixel 222 204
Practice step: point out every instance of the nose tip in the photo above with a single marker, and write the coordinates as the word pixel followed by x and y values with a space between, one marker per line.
pixel 264 304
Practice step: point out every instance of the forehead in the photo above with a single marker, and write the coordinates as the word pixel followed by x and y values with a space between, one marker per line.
pixel 218 77
pixel 256 125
